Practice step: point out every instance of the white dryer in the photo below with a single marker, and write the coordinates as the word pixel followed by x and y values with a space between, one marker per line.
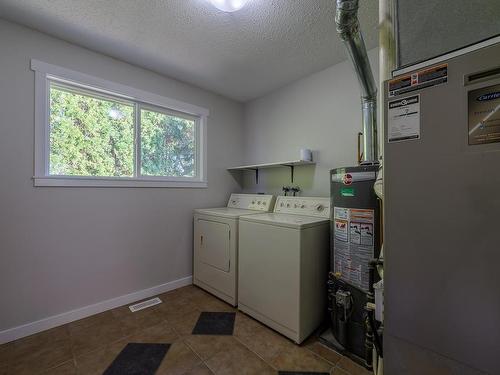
pixel 216 243
pixel 283 265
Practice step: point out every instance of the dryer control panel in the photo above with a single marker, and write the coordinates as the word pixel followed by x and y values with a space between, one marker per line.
pixel 309 206
pixel 258 202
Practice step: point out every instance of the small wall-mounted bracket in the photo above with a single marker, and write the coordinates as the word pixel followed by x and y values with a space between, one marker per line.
pixel 291 170
pixel 256 176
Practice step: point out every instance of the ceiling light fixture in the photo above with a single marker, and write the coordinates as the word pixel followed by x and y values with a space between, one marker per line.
pixel 228 5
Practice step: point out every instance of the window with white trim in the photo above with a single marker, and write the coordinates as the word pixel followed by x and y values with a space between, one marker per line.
pixel 92 132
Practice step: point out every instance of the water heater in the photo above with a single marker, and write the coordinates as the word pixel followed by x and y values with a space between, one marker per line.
pixel 355 242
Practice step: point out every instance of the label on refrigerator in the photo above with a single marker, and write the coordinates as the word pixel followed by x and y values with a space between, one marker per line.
pixel 403 119
pixel 484 115
pixel 354 244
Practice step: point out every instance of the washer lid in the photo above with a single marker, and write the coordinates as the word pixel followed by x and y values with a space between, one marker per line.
pixel 286 220
pixel 226 212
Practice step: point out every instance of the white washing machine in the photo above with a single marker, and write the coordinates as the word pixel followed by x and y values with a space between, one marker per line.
pixel 216 243
pixel 283 265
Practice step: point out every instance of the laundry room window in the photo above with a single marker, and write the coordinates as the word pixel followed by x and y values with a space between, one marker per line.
pixel 168 144
pixel 91 132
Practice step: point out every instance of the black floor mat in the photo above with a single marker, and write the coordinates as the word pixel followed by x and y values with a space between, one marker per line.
pixel 215 323
pixel 138 359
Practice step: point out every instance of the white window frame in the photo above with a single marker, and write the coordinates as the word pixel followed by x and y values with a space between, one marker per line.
pixel 45 73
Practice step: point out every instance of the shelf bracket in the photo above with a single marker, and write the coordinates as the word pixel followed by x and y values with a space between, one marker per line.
pixel 291 170
pixel 256 176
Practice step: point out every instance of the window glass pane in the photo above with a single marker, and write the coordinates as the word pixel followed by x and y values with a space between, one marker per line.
pixel 168 145
pixel 90 136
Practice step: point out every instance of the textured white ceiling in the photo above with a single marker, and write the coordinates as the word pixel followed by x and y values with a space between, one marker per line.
pixel 241 55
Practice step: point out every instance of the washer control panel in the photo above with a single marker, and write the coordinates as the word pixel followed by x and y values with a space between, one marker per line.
pixel 258 202
pixel 309 206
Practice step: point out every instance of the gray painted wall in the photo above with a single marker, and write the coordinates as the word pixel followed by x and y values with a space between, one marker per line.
pixel 321 112
pixel 64 248
pixel 434 27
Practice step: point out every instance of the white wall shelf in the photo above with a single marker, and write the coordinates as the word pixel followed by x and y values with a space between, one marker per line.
pixel 255 167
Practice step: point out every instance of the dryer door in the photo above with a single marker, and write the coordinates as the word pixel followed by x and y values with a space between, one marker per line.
pixel 214 243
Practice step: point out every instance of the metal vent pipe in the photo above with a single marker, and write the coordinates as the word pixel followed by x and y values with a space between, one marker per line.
pixel 346 19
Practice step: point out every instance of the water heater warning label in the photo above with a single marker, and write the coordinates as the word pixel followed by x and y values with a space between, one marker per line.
pixel 354 244
pixel 403 119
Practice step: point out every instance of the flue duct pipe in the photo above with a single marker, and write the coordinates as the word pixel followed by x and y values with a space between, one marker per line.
pixel 346 19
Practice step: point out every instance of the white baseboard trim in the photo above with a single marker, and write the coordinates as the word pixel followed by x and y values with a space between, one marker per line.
pixel 24 330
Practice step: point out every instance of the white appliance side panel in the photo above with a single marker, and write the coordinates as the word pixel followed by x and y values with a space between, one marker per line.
pixel 269 269
pixel 315 243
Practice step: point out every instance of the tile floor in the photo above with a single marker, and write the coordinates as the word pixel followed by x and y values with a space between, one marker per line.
pixel 88 346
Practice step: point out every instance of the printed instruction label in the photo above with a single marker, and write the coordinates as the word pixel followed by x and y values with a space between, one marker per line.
pixel 353 244
pixel 484 115
pixel 403 119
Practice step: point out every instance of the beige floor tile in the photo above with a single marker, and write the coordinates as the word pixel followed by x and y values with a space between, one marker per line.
pixel 191 291
pixel 197 298
pixel 91 320
pixel 299 359
pixel 245 326
pixel 5 352
pixel 201 369
pixel 202 302
pixel 266 343
pixel 179 360
pixel 208 302
pixel 184 325
pixel 323 351
pixel 175 296
pixel 198 294
pixel 39 352
pixel 351 367
pixel 207 346
pixel 97 340
pixel 161 333
pixel 5 356
pixel 176 308
pixel 67 368
pixel 218 305
pixel 97 361
pixel 85 339
pixel 136 321
pixel 339 371
pixel 238 360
